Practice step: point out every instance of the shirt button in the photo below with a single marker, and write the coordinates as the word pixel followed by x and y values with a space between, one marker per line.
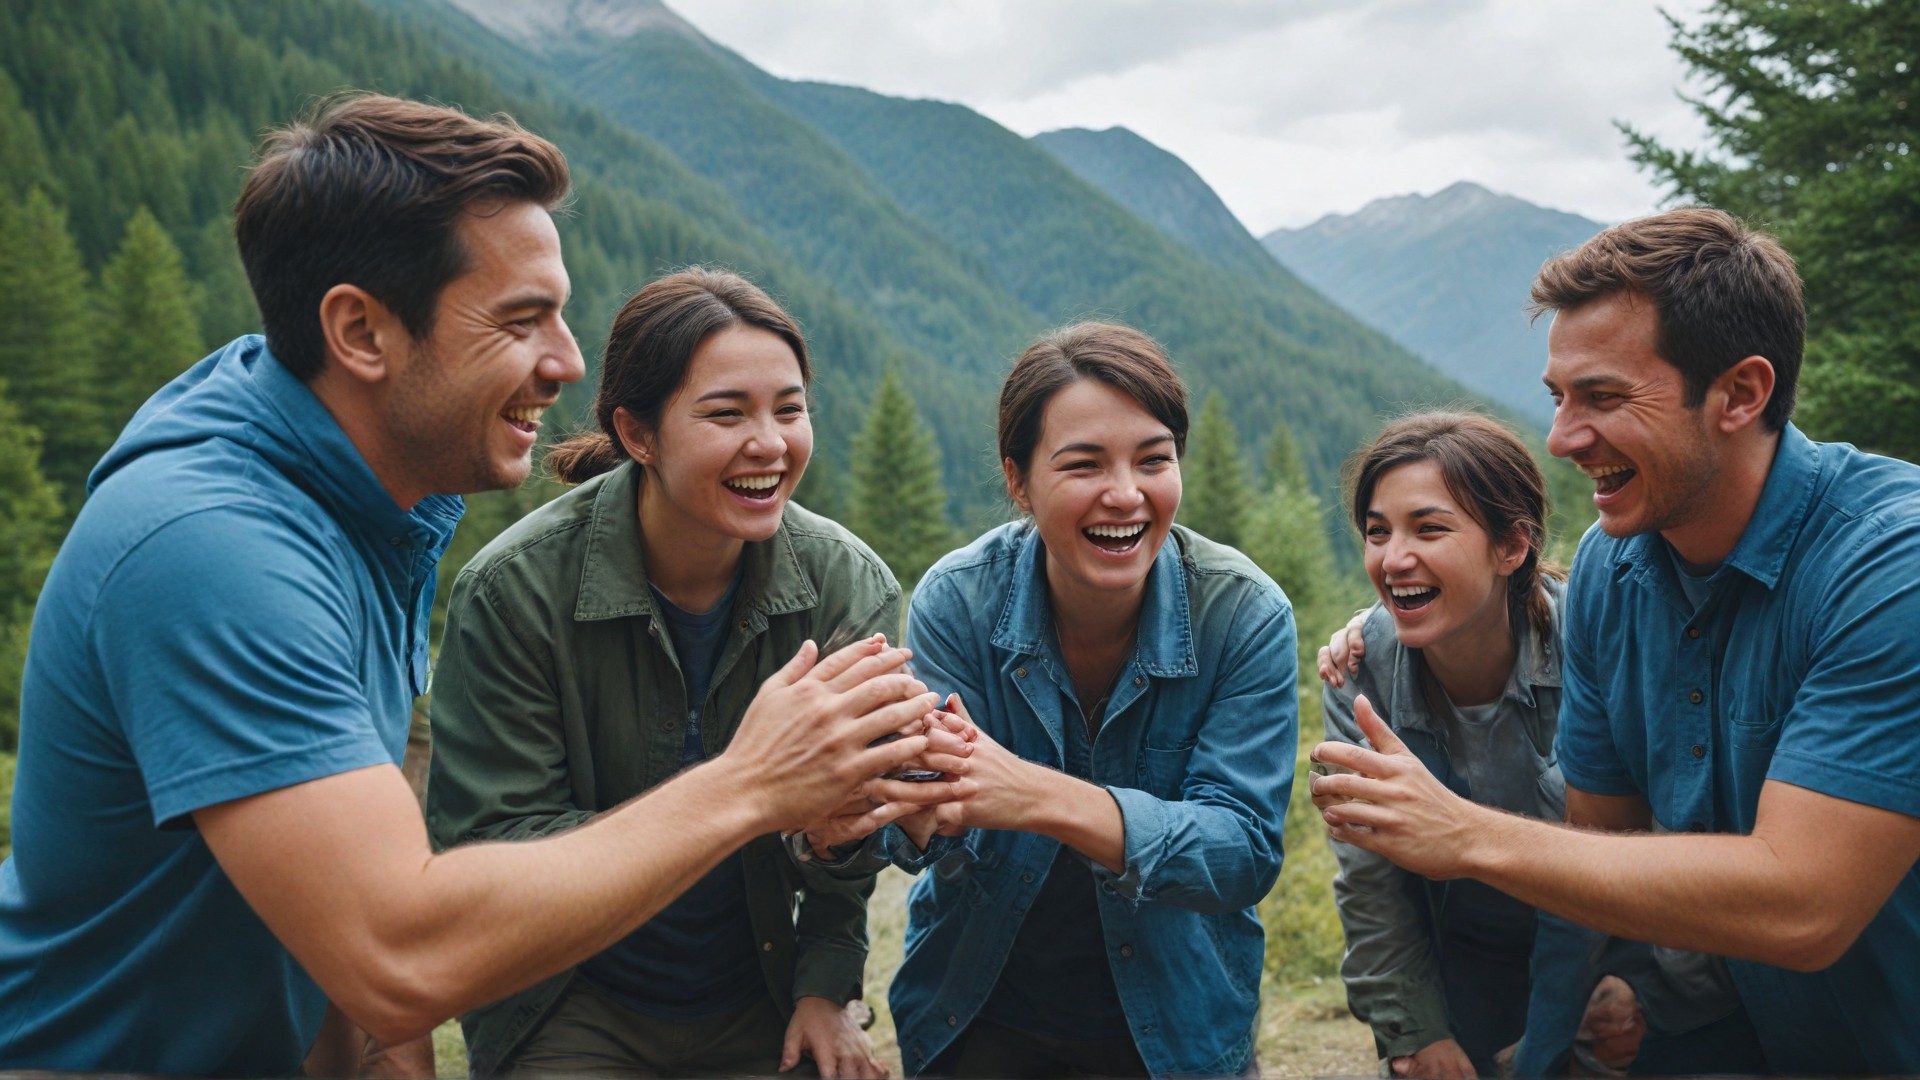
pixel 953 1021
pixel 666 725
pixel 1126 951
pixel 1139 680
pixel 743 624
pixel 396 541
pixel 1696 697
pixel 1026 877
pixel 1109 884
pixel 766 946
pixel 1699 751
pixel 1693 631
pixel 1019 673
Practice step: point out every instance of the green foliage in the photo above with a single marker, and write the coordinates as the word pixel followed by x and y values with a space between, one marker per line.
pixel 48 340
pixel 150 320
pixel 1216 494
pixel 7 764
pixel 1283 460
pixel 1813 112
pixel 897 504
pixel 822 488
pixel 1304 938
pixel 30 520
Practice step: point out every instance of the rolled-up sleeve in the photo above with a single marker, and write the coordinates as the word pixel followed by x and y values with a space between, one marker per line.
pixel 1218 848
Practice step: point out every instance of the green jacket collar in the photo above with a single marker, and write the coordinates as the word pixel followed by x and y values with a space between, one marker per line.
pixel 613 572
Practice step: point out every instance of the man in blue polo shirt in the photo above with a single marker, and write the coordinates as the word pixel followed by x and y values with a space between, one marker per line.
pixel 1742 660
pixel 211 833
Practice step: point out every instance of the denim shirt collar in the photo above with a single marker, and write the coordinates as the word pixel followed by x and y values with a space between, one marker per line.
pixel 1163 644
pixel 1761 552
pixel 613 572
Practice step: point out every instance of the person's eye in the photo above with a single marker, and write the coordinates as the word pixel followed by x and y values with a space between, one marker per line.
pixel 1158 461
pixel 724 414
pixel 793 410
pixel 1432 527
pixel 1378 532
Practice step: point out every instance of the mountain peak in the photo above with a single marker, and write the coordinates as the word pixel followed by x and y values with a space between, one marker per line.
pixel 601 20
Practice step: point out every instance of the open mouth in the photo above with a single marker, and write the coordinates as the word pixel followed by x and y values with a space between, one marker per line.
pixel 1117 539
pixel 524 417
pixel 1608 479
pixel 1412 597
pixel 761 488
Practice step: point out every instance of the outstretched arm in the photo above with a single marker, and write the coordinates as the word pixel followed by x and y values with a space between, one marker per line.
pixel 400 938
pixel 1795 893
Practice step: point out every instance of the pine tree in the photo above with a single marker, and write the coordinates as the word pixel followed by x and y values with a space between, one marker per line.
pixel 1283 459
pixel 898 504
pixel 29 522
pixel 822 489
pixel 1216 497
pixel 1812 107
pixel 1287 537
pixel 47 341
pixel 150 325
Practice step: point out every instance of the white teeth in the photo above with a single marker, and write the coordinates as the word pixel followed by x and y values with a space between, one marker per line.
pixel 1411 590
pixel 1595 472
pixel 528 414
pixel 1117 532
pixel 756 483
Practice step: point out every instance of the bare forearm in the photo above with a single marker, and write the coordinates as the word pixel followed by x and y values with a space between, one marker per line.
pixel 1723 894
pixel 1082 816
pixel 486 922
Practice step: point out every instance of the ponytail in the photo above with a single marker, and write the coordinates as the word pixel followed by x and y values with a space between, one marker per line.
pixel 584 457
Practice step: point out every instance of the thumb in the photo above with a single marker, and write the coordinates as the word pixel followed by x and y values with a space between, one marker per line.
pixel 801 663
pixel 790 1050
pixel 1376 729
pixel 1403 1066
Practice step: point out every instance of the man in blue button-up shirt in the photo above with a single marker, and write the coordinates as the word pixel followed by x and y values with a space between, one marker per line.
pixel 1742 660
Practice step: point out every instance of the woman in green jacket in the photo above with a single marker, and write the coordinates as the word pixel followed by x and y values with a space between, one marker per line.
pixel 616 636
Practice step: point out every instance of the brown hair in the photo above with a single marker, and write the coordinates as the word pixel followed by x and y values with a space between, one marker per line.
pixel 366 190
pixel 1721 292
pixel 1488 469
pixel 1120 356
pixel 650 348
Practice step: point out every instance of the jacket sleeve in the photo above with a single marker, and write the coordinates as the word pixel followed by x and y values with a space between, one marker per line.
pixel 830 928
pixel 1392 977
pixel 499 767
pixel 1217 848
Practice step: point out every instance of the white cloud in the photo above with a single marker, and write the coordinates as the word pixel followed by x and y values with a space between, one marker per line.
pixel 1290 110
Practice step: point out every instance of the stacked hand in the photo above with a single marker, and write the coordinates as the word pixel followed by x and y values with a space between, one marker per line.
pixel 1341 655
pixel 1442 1059
pixel 808 742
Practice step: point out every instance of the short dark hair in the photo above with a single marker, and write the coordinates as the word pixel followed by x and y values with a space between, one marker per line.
pixel 1721 292
pixel 366 190
pixel 650 348
pixel 1487 468
pixel 1120 356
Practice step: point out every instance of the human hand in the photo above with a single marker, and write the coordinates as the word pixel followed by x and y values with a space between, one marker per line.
pixel 858 817
pixel 1000 790
pixel 1341 655
pixel 1614 1024
pixel 1441 1060
pixel 1388 802
pixel 804 746
pixel 825 1032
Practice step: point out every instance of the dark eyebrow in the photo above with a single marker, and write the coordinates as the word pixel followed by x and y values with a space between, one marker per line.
pixel 734 395
pixel 1096 448
pixel 532 302
pixel 1425 511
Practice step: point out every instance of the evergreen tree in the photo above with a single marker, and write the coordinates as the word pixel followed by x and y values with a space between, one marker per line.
pixel 821 488
pixel 150 324
pixel 1283 459
pixel 29 523
pixel 897 504
pixel 1216 497
pixel 47 341
pixel 1813 110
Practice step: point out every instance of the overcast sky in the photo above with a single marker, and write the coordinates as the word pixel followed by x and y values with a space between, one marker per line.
pixel 1290 108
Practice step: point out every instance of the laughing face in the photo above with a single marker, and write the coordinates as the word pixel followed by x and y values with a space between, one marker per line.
pixel 731 443
pixel 1435 568
pixel 1621 415
pixel 1102 487
pixel 465 410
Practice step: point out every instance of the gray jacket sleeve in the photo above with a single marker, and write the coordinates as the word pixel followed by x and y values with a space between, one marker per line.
pixel 1393 980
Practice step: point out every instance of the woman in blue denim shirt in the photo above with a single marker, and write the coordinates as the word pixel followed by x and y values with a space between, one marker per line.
pixel 1133 686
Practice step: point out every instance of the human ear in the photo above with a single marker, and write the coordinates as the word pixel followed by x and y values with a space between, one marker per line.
pixel 1512 552
pixel 635 436
pixel 1016 486
pixel 361 334
pixel 1746 387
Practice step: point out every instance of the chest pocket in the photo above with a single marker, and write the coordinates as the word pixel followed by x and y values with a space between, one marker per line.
pixel 1753 725
pixel 1162 771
